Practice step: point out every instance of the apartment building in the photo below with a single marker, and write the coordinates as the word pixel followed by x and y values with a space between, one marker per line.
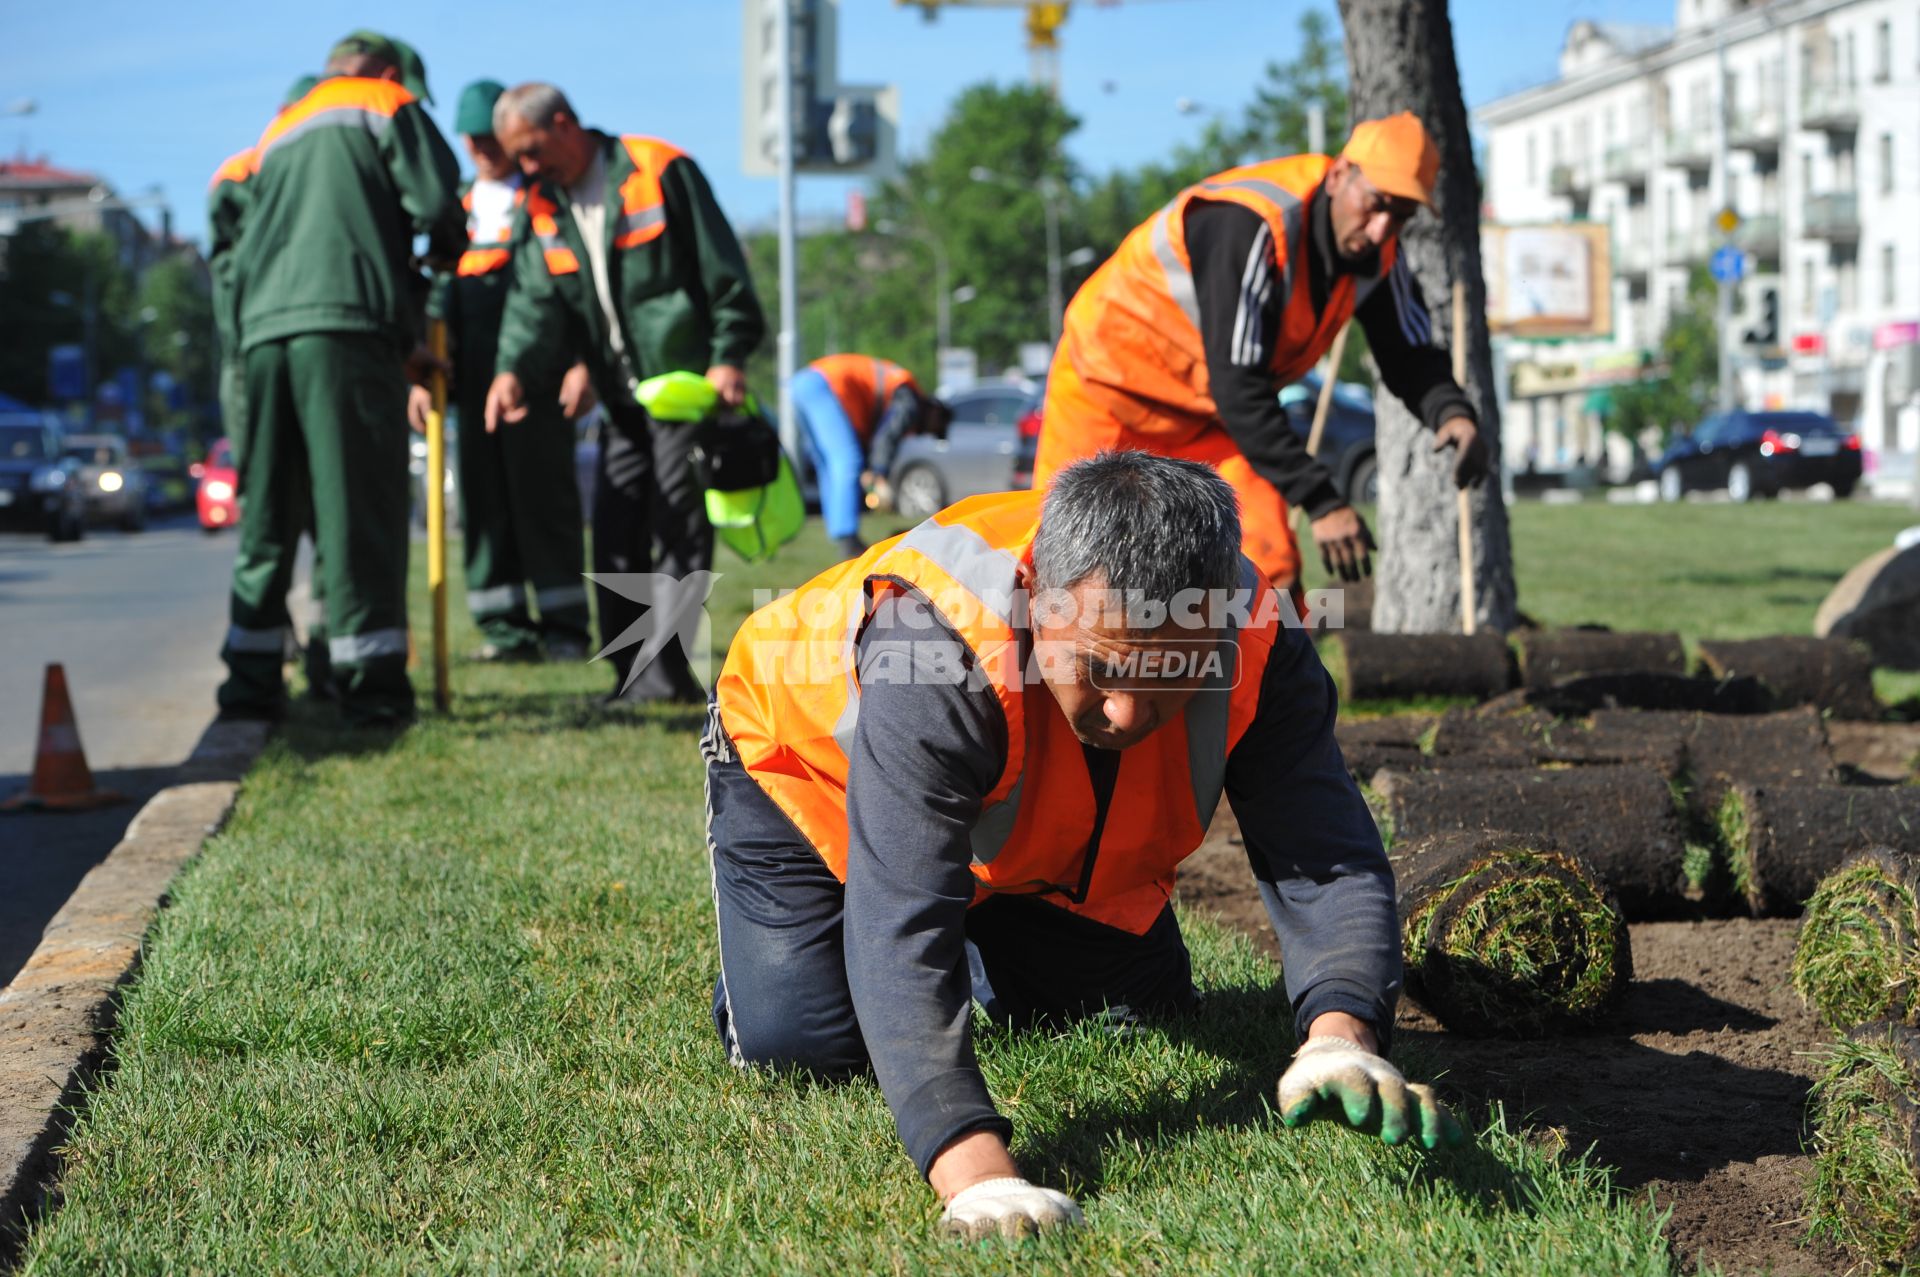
pixel 1803 117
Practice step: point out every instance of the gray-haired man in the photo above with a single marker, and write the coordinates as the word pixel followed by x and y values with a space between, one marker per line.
pixel 900 820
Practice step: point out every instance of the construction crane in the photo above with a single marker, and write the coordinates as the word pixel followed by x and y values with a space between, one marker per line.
pixel 1044 20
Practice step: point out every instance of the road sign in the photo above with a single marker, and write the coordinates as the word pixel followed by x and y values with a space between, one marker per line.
pixel 1727 220
pixel 1729 265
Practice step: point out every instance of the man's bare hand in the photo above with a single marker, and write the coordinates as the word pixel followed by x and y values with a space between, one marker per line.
pixel 731 382
pixel 506 401
pixel 1346 547
pixel 419 407
pixel 576 393
pixel 1470 462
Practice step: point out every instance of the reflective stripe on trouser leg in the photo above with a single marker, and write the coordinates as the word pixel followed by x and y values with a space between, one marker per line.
pixel 713 746
pixel 351 396
pixel 496 600
pixel 273 476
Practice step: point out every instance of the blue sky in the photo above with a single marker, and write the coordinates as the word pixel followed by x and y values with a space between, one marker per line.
pixel 147 94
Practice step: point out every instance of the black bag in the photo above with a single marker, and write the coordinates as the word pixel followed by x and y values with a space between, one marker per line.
pixel 734 450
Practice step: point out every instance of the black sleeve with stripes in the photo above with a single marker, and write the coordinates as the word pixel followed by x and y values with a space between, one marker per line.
pixel 1416 367
pixel 1237 285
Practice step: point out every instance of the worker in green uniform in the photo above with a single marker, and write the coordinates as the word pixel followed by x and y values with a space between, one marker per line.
pixel 519 497
pixel 343 181
pixel 628 247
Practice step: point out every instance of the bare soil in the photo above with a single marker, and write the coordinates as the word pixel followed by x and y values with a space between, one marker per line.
pixel 1695 1090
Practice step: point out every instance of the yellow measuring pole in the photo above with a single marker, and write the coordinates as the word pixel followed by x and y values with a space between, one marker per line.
pixel 436 481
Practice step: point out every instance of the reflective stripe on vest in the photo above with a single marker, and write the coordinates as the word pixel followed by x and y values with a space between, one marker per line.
pixel 863 384
pixel 235 168
pixel 338 102
pixel 483 257
pixel 793 730
pixel 543 217
pixel 643 215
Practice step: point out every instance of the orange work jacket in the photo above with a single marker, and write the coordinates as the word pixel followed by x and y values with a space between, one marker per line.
pixel 789 696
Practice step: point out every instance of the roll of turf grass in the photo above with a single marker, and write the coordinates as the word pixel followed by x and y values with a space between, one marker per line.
pixel 1799 669
pixel 1781 840
pixel 1858 957
pixel 1866 1134
pixel 1548 657
pixel 1507 936
pixel 1398 666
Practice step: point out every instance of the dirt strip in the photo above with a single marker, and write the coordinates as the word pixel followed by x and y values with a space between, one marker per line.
pixel 56 1015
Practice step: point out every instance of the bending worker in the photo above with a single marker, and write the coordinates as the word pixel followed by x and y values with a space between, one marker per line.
pixel 855 409
pixel 1180 342
pixel 970 798
pixel 343 181
pixel 519 497
pixel 629 248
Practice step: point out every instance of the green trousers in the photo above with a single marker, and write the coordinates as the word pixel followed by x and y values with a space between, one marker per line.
pixel 326 442
pixel 520 520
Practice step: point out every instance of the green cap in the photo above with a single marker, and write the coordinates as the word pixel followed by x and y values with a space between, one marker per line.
pixel 365 41
pixel 475 116
pixel 299 89
pixel 413 71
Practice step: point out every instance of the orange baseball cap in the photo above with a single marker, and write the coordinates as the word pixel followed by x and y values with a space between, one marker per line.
pixel 1397 155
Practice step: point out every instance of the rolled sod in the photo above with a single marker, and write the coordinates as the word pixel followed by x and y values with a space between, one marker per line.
pixel 1623 821
pixel 1652 690
pixel 1834 674
pixel 1368 744
pixel 1866 1136
pixel 1505 935
pixel 1400 666
pixel 1781 840
pixel 1548 657
pixel 1533 738
pixel 1858 957
pixel 1787 748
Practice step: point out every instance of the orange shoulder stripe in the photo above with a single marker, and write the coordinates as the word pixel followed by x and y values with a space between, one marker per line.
pixel 235 168
pixel 341 93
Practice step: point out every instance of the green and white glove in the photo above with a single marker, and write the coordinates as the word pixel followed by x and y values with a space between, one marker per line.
pixel 1009 1207
pixel 1332 1078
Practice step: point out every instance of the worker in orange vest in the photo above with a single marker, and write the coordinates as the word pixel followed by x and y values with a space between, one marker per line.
pixel 901 819
pixel 1180 342
pixel 855 409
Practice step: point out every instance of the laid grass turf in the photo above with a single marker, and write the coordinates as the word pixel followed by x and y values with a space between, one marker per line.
pixel 1865 1193
pixel 440 1003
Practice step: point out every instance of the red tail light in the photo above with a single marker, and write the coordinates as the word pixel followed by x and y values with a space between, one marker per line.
pixel 1851 443
pixel 1773 442
pixel 1029 424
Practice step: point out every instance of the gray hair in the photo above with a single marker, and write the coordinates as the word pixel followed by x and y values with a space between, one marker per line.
pixel 534 102
pixel 1145 525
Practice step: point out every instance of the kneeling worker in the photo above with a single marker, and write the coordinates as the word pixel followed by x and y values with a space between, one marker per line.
pixel 855 410
pixel 964 801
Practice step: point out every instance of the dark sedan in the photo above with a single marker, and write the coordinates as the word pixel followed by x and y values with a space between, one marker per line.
pixel 1760 454
pixel 39 490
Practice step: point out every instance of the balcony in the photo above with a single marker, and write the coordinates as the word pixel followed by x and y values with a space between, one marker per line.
pixel 1632 258
pixel 1626 164
pixel 1760 235
pixel 1687 246
pixel 1832 106
pixel 1834 217
pixel 1570 180
pixel 1755 130
pixel 1690 149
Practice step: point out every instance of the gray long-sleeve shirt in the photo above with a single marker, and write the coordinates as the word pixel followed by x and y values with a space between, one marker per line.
pixel 927 750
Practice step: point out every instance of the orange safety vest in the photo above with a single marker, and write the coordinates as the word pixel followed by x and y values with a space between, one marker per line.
pixel 643 213
pixel 235 168
pixel 790 699
pixel 863 385
pixel 489 248
pixel 1131 369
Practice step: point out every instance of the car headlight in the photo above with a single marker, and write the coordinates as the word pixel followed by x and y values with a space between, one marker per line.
pixel 50 479
pixel 219 490
pixel 110 481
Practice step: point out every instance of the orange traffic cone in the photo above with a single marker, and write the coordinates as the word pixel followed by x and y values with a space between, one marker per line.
pixel 62 781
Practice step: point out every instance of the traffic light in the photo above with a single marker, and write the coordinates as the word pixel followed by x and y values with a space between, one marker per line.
pixel 853 129
pixel 1766 330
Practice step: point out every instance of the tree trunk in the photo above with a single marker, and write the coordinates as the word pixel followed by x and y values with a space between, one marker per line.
pixel 1400 58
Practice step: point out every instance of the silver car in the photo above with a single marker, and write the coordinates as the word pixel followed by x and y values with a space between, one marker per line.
pixel 976 456
pixel 114 487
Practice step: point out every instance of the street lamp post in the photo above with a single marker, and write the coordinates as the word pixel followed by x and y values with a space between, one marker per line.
pixel 942 295
pixel 1050 204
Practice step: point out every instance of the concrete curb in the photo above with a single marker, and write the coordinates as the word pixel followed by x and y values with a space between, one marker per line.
pixel 56 1016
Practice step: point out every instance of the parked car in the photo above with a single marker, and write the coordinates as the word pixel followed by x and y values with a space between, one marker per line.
pixel 1760 454
pixel 1346 445
pixel 38 488
pixel 976 456
pixel 217 498
pixel 114 487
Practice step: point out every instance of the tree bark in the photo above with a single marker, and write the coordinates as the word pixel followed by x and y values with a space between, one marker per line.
pixel 1400 58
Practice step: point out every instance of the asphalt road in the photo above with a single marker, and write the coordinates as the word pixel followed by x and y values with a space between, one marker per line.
pixel 137 619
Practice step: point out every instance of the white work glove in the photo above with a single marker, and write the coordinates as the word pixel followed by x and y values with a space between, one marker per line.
pixel 1333 1078
pixel 1010 1207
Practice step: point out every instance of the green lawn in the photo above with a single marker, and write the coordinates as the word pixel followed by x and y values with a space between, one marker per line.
pixel 441 1004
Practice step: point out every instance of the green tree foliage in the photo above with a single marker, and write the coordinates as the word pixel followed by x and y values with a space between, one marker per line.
pixel 52 277
pixel 1681 394
pixel 176 310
